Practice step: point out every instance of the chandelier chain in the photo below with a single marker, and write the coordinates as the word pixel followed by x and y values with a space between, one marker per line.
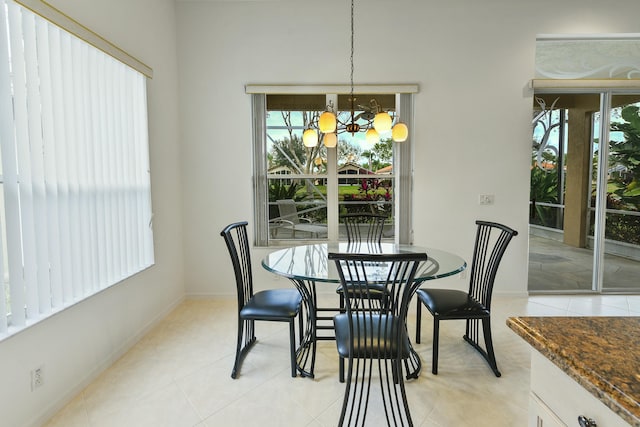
pixel 352 99
pixel 376 120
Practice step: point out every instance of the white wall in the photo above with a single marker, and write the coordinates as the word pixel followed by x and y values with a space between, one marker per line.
pixel 472 60
pixel 75 345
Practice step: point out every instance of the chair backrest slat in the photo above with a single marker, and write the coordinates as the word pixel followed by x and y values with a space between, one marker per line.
pixel 491 242
pixel 235 236
pixel 364 227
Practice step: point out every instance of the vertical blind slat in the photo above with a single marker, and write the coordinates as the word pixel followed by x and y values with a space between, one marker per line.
pixel 71 119
pixel 6 136
pixel 131 172
pixel 36 79
pixel 23 167
pixel 112 222
pixel 84 237
pixel 97 160
pixel 120 183
pixel 110 173
pixel 29 171
pixel 46 50
pixel 60 111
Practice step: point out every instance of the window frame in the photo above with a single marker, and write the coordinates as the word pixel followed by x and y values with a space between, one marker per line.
pixel 402 155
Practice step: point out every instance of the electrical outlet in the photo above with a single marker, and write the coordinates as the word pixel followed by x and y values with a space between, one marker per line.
pixel 37 378
pixel 486 199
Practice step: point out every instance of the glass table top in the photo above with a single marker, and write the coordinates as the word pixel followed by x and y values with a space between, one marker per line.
pixel 310 262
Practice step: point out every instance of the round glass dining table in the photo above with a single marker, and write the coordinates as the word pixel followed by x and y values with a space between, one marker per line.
pixel 308 265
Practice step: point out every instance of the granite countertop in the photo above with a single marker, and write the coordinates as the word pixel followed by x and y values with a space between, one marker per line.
pixel 601 353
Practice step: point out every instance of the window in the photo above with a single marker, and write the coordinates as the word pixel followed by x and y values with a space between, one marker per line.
pixel 76 209
pixel 301 193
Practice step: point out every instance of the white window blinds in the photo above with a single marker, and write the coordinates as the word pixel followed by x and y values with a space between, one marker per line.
pixel 75 169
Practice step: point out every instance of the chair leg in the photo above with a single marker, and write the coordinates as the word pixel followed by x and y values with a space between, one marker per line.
pixel 236 363
pixel 488 342
pixel 300 327
pixel 246 339
pixel 387 373
pixel 436 337
pixel 418 319
pixel 341 370
pixel 292 346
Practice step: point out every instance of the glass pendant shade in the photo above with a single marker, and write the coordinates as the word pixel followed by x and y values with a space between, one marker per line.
pixel 382 122
pixel 330 140
pixel 327 122
pixel 372 136
pixel 310 138
pixel 400 132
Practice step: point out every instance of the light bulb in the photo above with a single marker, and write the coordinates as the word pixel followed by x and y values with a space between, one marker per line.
pixel 327 122
pixel 372 136
pixel 400 132
pixel 382 122
pixel 330 140
pixel 310 138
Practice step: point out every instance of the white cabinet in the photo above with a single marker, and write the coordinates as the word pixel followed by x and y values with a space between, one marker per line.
pixel 557 400
pixel 540 415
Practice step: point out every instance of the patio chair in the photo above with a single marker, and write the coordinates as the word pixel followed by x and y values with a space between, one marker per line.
pixel 475 305
pixel 290 219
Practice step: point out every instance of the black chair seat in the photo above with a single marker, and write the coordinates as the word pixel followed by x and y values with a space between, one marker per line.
pixel 452 304
pixel 375 336
pixel 374 290
pixel 272 304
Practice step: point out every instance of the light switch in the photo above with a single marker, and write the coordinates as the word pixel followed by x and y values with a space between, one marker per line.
pixel 486 199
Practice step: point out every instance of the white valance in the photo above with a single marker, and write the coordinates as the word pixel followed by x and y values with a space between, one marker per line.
pixel 591 57
pixel 67 23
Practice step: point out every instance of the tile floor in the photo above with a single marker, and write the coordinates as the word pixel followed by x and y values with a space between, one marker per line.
pixel 179 374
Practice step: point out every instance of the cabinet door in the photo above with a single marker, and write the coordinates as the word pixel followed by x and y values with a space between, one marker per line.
pixel 566 398
pixel 540 415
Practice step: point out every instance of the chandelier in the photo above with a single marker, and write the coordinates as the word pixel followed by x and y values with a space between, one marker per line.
pixel 329 125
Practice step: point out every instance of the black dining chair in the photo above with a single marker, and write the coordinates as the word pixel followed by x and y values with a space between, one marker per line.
pixel 363 229
pixel 278 305
pixel 375 342
pixel 474 306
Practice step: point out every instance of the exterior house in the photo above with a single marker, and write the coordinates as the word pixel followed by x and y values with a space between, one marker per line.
pixel 385 170
pixel 351 168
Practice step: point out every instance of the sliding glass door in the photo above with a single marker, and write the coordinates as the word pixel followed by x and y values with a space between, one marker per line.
pixel 617 197
pixel 584 217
